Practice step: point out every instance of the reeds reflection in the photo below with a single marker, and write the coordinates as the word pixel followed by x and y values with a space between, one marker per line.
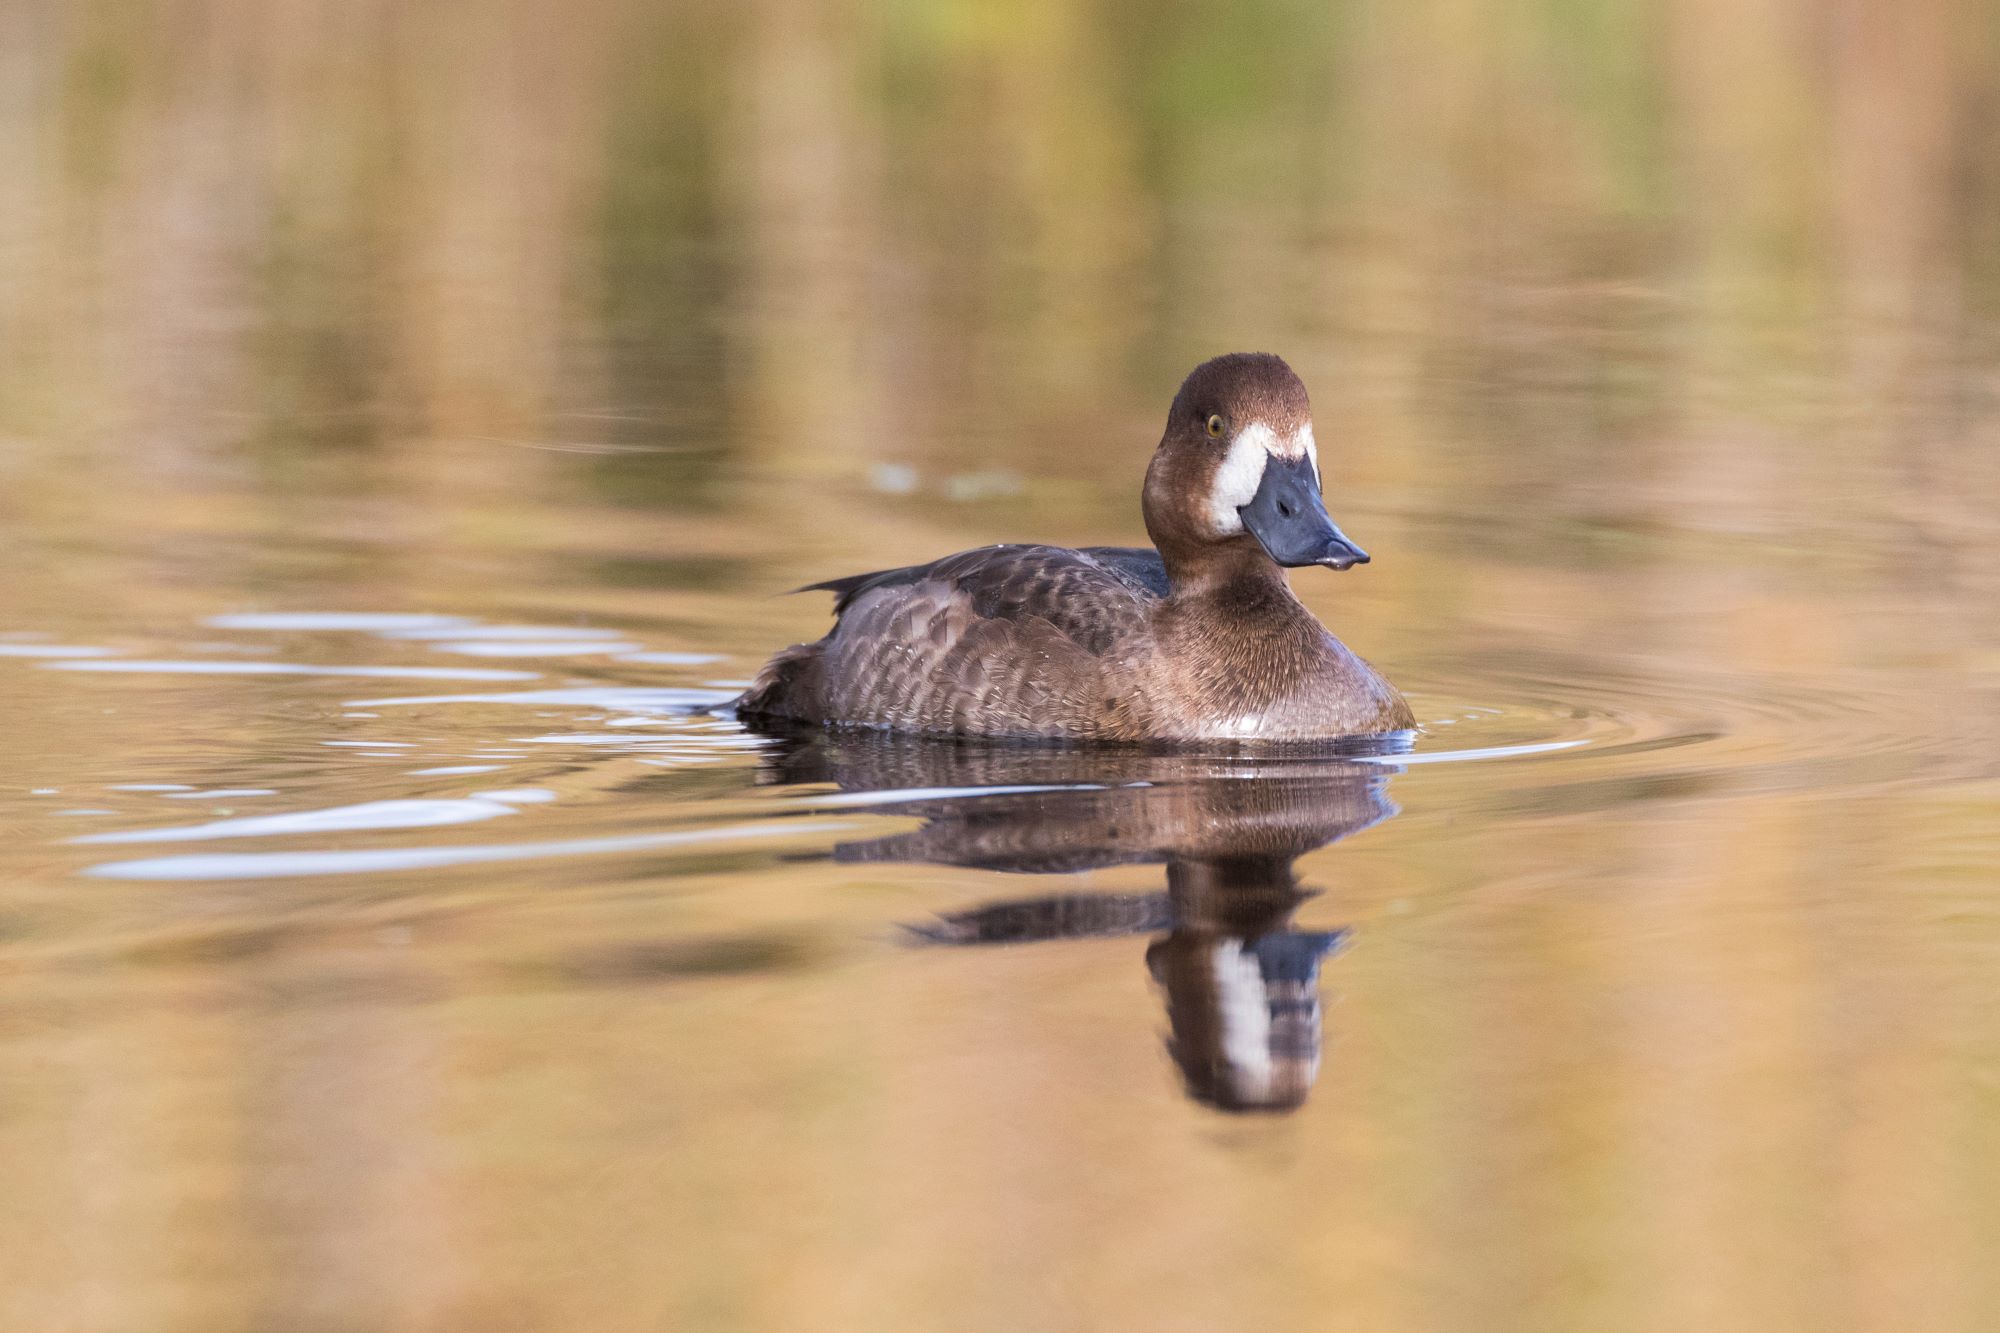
pixel 1240 982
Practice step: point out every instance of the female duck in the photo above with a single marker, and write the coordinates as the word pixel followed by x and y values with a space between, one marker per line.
pixel 1199 640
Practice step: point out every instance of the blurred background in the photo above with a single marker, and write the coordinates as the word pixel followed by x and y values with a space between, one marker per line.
pixel 1654 354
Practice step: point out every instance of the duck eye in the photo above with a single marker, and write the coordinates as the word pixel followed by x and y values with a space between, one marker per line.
pixel 1215 427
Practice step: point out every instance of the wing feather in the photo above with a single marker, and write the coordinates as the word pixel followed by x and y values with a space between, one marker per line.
pixel 1003 640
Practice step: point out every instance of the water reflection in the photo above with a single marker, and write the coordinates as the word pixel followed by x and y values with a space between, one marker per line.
pixel 1239 981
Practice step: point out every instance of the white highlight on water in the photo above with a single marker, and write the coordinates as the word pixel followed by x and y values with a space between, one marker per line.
pixel 1463 756
pixel 671 659
pixel 614 698
pixel 367 815
pixel 54 650
pixel 334 620
pixel 290 669
pixel 463 632
pixel 534 648
pixel 290 865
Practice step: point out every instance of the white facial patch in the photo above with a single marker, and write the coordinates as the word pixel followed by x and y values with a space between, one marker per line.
pixel 1236 481
pixel 1242 471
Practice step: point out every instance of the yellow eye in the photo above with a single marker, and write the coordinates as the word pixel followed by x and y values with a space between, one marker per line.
pixel 1215 427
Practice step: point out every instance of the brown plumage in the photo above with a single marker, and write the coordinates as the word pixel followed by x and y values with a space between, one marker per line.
pixel 1200 639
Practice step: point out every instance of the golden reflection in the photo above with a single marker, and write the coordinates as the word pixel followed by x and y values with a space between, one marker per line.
pixel 1239 981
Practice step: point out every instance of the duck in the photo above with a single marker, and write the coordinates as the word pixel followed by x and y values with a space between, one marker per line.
pixel 1196 639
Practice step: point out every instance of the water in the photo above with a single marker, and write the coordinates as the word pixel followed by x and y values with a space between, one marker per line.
pixel 406 432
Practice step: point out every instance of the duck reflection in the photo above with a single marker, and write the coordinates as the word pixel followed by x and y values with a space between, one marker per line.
pixel 1241 985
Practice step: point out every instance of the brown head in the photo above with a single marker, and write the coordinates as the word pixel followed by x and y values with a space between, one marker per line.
pixel 1234 487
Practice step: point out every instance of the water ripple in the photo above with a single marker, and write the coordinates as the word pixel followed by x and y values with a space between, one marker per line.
pixel 293 865
pixel 288 669
pixel 369 815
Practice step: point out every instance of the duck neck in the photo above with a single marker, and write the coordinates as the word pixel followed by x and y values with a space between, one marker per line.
pixel 1238 574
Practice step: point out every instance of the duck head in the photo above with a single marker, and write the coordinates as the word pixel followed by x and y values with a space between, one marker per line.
pixel 1236 476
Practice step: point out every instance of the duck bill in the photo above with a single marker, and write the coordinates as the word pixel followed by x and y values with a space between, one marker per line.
pixel 1289 519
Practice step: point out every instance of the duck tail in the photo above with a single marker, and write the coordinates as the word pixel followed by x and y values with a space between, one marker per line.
pixel 785 687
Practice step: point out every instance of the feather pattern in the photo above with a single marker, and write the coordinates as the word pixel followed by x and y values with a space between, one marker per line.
pixel 1004 640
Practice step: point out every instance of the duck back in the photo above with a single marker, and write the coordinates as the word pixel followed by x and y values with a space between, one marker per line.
pixel 1000 641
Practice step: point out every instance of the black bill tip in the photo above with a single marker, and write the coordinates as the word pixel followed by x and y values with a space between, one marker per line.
pixel 1346 556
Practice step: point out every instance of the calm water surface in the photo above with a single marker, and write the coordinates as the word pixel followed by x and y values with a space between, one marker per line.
pixel 394 936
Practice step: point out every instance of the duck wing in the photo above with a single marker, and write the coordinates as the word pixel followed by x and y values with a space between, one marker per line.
pixel 1003 640
pixel 1087 591
pixel 1139 566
